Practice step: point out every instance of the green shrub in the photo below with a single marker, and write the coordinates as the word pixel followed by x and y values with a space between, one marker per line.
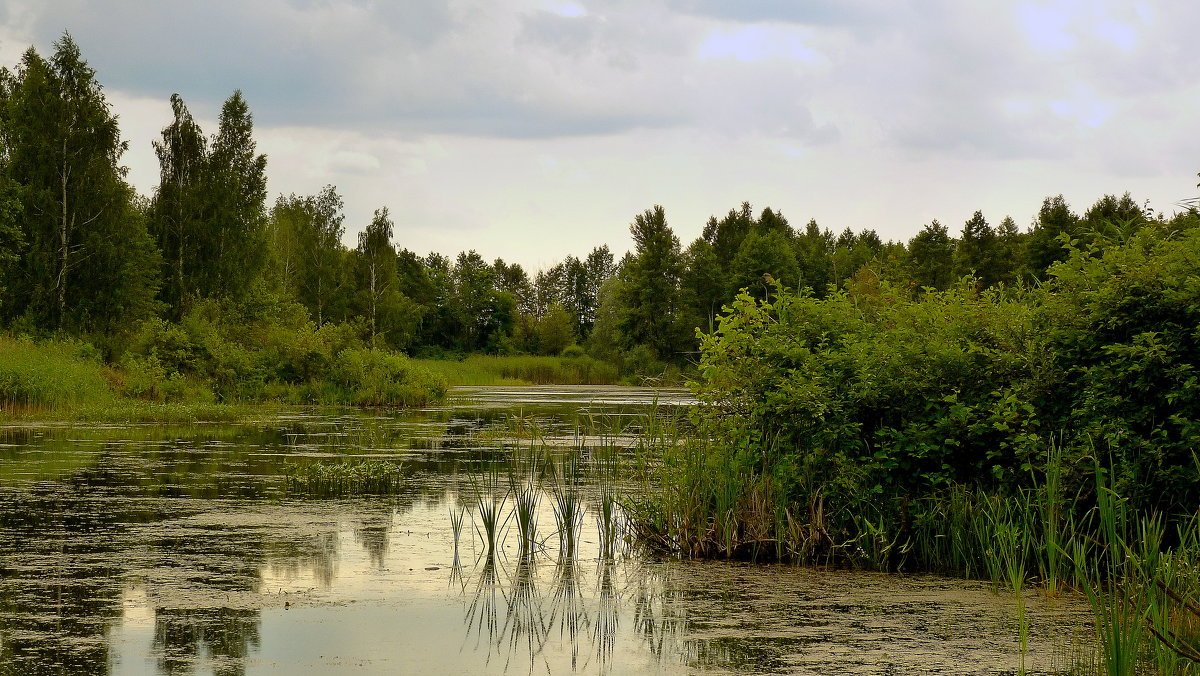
pixel 370 377
pixel 872 398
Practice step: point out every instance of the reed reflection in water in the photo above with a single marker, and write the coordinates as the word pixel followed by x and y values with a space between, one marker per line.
pixel 537 610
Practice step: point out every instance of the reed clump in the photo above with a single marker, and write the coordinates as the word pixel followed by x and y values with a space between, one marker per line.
pixel 1140 571
pixel 345 479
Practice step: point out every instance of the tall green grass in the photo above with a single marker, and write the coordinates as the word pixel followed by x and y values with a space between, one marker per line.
pixel 522 370
pixel 50 375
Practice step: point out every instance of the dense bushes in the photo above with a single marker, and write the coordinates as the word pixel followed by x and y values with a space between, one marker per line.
pixel 266 349
pixel 876 396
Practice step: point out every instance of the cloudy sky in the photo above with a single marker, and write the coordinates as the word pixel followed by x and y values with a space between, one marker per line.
pixel 533 129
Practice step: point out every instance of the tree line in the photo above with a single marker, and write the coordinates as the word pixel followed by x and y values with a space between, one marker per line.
pixel 81 253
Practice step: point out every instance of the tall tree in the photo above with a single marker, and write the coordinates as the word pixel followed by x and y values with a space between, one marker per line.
pixel 931 257
pixel 703 287
pixel 177 211
pixel 1010 251
pixel 1045 244
pixel 650 296
pixel 306 240
pixel 474 304
pixel 977 250
pixel 814 254
pixel 390 316
pixel 12 240
pixel 236 246
pixel 513 279
pixel 1112 219
pixel 762 260
pixel 89 262
pixel 726 235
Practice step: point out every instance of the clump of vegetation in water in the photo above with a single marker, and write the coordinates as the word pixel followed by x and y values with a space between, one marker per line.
pixel 345 479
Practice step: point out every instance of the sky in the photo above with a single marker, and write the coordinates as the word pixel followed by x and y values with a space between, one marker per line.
pixel 535 129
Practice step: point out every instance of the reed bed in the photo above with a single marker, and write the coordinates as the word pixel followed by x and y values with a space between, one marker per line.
pixel 51 375
pixel 1140 572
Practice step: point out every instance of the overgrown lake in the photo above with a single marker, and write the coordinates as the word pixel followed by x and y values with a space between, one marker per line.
pixel 146 549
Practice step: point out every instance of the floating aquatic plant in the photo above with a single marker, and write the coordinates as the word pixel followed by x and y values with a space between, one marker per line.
pixel 345 479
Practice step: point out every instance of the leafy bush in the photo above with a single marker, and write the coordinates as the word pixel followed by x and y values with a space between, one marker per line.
pixel 370 377
pixel 868 399
pixel 266 349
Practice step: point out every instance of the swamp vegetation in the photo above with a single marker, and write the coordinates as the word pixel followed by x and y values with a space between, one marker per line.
pixel 1041 435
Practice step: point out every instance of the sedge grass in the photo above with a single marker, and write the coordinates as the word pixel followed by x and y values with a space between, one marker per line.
pixel 567 504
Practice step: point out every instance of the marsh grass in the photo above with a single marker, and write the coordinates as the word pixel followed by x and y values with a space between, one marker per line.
pixel 456 526
pixel 490 517
pixel 523 370
pixel 1143 587
pixel 526 505
pixel 345 479
pixel 50 376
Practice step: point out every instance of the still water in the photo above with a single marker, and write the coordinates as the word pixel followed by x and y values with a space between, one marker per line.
pixel 145 549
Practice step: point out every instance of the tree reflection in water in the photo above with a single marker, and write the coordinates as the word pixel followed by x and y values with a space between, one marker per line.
pixel 223 636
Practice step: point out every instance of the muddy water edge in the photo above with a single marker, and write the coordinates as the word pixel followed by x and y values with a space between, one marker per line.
pixel 147 549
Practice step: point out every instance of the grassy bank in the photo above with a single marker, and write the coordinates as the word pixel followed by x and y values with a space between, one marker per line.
pixel 67 380
pixel 523 370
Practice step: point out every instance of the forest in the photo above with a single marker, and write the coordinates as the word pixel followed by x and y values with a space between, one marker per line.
pixel 207 289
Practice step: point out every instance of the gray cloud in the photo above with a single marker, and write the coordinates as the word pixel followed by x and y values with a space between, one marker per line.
pixel 1104 86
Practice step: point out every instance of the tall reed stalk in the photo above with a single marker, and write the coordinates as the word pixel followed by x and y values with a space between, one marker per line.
pixel 568 508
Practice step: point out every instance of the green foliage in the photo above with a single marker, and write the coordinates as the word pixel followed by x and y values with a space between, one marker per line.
pixel 307 253
pixel 372 377
pixel 649 297
pixel 760 259
pixel 870 399
pixel 265 348
pixel 572 368
pixel 50 375
pixel 930 261
pixel 555 330
pixel 1052 236
pixel 87 263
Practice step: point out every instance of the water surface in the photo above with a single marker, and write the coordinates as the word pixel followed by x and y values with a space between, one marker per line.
pixel 148 549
